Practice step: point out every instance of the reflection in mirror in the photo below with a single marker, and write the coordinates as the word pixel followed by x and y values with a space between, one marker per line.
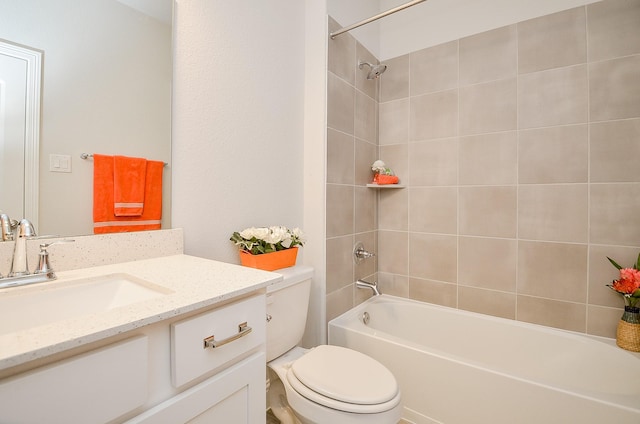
pixel 106 88
pixel 20 79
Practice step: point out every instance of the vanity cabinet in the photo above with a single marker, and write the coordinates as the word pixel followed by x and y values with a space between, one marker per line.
pixel 234 388
pixel 204 368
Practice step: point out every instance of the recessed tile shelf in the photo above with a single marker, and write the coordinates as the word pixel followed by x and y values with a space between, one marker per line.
pixel 385 186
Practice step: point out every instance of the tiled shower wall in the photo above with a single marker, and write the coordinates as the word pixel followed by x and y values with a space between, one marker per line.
pixel 519 148
pixel 352 146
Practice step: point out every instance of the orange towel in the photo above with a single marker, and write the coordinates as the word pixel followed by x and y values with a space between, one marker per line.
pixel 128 185
pixel 104 218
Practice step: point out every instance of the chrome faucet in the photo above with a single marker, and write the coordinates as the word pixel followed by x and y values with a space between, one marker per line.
pixel 19 275
pixel 7 225
pixel 19 265
pixel 362 284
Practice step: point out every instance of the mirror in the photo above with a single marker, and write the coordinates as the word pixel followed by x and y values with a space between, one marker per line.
pixel 105 88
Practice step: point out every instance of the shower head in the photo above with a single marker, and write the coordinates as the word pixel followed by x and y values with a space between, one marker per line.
pixel 374 70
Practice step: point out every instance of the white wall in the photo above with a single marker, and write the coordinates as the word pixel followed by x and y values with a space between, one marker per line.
pixel 238 120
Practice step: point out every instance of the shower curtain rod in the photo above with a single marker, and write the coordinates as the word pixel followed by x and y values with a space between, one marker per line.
pixel 375 18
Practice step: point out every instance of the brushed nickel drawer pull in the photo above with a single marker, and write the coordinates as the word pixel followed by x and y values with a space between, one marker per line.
pixel 243 330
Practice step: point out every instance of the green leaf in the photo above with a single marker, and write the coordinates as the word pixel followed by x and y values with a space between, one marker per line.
pixel 637 265
pixel 636 293
pixel 614 263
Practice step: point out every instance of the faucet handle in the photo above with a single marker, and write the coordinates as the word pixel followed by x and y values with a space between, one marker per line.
pixel 44 267
pixel 360 254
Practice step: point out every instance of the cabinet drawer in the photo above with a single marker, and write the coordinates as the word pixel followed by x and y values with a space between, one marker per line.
pixel 225 327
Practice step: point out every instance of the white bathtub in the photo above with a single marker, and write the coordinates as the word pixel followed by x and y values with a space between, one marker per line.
pixel 458 367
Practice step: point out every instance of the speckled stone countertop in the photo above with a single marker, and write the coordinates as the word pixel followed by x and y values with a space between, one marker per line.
pixel 190 283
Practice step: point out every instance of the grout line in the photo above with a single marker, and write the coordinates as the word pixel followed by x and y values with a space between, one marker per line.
pixel 586 300
pixel 517 258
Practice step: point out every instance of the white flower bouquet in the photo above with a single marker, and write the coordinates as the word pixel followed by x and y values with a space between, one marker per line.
pixel 258 241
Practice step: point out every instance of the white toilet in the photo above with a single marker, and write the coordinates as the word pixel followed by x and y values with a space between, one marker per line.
pixel 326 384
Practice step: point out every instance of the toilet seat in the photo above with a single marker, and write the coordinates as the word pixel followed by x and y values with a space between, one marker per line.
pixel 345 380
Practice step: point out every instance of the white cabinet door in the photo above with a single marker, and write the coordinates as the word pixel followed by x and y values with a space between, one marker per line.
pixel 91 388
pixel 233 396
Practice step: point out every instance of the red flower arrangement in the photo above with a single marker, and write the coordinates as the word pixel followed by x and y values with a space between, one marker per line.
pixel 628 285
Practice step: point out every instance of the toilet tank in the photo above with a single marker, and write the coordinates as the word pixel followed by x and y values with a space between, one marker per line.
pixel 287 306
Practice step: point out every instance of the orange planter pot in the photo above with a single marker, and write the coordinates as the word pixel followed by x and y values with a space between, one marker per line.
pixel 270 261
pixel 382 179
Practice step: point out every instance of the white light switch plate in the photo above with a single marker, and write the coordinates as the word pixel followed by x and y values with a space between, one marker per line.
pixel 59 163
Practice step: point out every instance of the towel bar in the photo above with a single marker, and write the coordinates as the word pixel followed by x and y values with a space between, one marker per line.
pixel 87 156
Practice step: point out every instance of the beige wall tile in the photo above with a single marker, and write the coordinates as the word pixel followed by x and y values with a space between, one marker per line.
pixel 554 97
pixel 601 272
pixel 433 210
pixel 488 211
pixel 602 322
pixel 340 157
pixel 393 284
pixel 552 41
pixel 488 263
pixel 435 292
pixel 552 313
pixel 433 116
pixel 370 87
pixel 342 54
pixel 615 149
pixel 553 155
pixel 488 159
pixel 614 214
pixel 393 210
pixel 434 68
pixel 433 162
pixel 556 212
pixel 393 252
pixel 339 302
pixel 433 256
pixel 488 107
pixel 614 89
pixel 611 28
pixel 553 270
pixel 366 208
pixel 366 118
pixel 340 200
pixel 366 154
pixel 488 56
pixel 394 122
pixel 394 84
pixel 488 302
pixel 340 104
pixel 367 267
pixel 339 262
pixel 396 157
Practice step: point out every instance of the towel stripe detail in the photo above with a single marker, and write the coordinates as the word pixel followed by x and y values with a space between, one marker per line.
pixel 128 205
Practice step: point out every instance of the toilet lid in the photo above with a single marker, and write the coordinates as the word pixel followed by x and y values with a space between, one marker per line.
pixel 345 375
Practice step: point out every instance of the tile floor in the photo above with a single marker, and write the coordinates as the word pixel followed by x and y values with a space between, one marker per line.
pixel 271 419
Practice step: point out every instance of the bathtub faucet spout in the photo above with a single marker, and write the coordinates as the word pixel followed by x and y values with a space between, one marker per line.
pixel 362 284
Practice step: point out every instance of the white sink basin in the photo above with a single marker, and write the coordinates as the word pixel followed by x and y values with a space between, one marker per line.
pixel 27 307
